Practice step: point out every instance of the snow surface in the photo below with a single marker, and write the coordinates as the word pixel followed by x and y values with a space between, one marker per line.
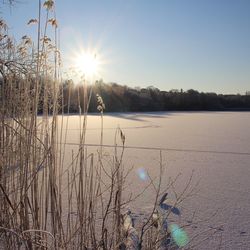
pixel 221 201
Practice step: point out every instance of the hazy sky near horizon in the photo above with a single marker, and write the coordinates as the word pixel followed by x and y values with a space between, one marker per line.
pixel 171 44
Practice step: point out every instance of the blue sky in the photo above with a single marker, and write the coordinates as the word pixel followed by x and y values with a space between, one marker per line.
pixel 171 44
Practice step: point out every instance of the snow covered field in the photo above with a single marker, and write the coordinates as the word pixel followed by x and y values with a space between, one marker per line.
pixel 215 146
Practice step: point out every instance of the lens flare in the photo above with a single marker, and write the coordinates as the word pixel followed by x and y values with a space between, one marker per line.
pixel 179 235
pixel 142 174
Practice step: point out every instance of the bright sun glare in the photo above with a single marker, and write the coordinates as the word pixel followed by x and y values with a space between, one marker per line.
pixel 87 63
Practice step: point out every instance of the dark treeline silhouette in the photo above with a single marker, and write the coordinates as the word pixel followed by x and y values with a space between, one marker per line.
pixel 118 98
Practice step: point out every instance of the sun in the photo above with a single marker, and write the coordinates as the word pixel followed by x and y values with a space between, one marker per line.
pixel 87 63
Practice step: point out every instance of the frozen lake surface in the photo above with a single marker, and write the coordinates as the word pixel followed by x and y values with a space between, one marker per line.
pixel 215 146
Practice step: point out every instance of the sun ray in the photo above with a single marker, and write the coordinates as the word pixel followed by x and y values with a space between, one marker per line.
pixel 87 63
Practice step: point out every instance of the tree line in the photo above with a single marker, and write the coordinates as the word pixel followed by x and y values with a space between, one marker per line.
pixel 120 98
